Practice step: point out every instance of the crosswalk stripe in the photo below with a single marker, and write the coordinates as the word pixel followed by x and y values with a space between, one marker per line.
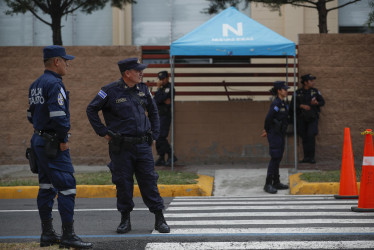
pixel 283 217
pixel 260 202
pixel 262 245
pixel 269 230
pixel 265 214
pixel 272 207
pixel 271 221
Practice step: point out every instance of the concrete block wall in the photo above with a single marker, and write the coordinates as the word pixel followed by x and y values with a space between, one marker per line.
pixel 205 132
pixel 344 66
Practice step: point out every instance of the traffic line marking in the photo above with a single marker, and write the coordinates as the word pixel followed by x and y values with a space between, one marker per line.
pixel 262 245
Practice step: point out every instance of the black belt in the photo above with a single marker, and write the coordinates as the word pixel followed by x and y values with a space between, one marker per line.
pixel 41 132
pixel 135 140
pixel 38 132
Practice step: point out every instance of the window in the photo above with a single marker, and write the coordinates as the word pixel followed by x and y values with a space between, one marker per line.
pixel 353 17
pixel 160 22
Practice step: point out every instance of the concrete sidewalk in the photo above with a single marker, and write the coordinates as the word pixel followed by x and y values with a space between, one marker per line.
pixel 229 180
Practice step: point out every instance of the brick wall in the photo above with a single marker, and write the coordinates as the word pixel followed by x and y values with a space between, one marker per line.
pixel 344 66
pixel 205 132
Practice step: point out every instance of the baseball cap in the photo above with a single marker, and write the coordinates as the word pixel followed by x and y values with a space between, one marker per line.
pixel 131 63
pixel 56 51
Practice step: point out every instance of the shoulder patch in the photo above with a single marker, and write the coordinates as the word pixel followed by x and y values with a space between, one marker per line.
pixel 276 108
pixel 63 92
pixel 102 94
pixel 60 99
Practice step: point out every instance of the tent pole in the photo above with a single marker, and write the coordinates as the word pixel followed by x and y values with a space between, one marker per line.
pixel 294 110
pixel 172 113
pixel 287 102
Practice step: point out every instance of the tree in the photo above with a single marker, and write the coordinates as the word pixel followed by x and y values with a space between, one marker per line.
pixel 371 14
pixel 320 5
pixel 56 9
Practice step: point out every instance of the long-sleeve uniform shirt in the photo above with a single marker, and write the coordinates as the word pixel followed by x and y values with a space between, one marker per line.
pixel 305 96
pixel 123 112
pixel 278 112
pixel 49 105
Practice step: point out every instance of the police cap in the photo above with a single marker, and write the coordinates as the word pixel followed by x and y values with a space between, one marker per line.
pixel 162 75
pixel 130 63
pixel 280 85
pixel 56 51
pixel 307 77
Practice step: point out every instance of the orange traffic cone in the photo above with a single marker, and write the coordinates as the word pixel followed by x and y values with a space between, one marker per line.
pixel 348 180
pixel 366 200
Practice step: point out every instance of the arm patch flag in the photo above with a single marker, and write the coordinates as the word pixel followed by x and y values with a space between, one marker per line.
pixel 102 94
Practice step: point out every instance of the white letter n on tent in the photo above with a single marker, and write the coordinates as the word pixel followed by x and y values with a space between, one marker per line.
pixel 238 31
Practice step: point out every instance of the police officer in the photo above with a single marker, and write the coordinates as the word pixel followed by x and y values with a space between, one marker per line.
pixel 163 101
pixel 308 103
pixel 49 114
pixel 275 129
pixel 131 126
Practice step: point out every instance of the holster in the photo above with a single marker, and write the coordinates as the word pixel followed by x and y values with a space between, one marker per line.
pixel 51 145
pixel 30 155
pixel 277 126
pixel 149 138
pixel 115 142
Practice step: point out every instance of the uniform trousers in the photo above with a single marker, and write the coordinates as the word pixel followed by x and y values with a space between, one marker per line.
pixel 162 144
pixel 136 160
pixel 53 181
pixel 308 131
pixel 276 149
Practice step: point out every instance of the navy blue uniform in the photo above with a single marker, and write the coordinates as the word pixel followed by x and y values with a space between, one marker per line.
pixel 307 126
pixel 49 113
pixel 164 110
pixel 131 117
pixel 276 125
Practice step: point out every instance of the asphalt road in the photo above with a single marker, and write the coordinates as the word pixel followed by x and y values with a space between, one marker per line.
pixel 264 222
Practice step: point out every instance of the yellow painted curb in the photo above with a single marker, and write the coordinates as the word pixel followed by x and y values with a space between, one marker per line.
pixel 300 187
pixel 204 187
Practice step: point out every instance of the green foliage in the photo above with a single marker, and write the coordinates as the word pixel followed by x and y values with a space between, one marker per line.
pixel 105 178
pixel 371 14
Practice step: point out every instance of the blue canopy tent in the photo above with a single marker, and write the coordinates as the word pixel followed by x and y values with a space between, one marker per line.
pixel 231 33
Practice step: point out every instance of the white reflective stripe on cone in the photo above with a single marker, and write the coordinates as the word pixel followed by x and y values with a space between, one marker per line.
pixel 368 161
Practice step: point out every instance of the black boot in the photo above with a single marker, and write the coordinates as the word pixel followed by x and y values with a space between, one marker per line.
pixel 70 239
pixel 125 225
pixel 49 236
pixel 269 188
pixel 160 224
pixel 277 184
pixel 160 161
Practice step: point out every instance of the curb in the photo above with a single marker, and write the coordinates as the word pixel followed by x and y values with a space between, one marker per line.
pixel 204 187
pixel 300 187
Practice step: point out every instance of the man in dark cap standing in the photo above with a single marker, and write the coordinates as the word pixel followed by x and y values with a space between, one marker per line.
pixel 163 100
pixel 131 127
pixel 308 103
pixel 49 114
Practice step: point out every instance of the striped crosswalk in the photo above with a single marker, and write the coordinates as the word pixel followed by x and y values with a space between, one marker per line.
pixel 282 222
